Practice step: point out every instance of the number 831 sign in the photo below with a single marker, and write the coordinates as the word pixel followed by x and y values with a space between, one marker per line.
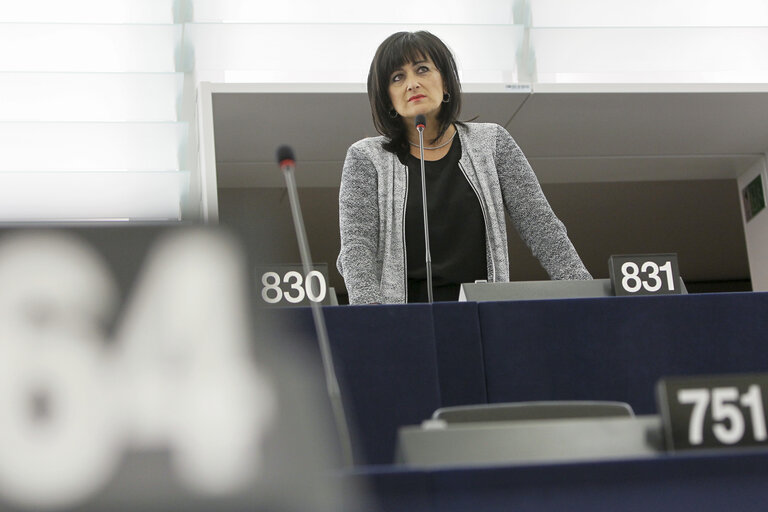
pixel 645 274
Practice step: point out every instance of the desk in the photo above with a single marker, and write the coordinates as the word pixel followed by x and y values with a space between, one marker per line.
pixel 617 348
pixel 399 363
pixel 675 483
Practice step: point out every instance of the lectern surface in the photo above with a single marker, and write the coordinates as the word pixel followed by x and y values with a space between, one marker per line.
pixel 527 290
pixel 526 442
pixel 532 290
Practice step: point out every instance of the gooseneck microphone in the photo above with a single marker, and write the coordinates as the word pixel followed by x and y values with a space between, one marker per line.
pixel 421 123
pixel 287 162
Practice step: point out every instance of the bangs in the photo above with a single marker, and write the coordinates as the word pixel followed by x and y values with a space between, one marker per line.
pixel 404 50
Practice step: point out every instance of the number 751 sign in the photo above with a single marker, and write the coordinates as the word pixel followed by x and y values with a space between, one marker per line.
pixel 713 412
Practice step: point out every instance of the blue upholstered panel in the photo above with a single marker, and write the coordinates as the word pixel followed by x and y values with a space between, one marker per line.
pixel 617 348
pixel 392 488
pixel 386 364
pixel 702 483
pixel 675 484
pixel 459 353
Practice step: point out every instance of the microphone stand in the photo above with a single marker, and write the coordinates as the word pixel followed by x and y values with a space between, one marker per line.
pixel 420 123
pixel 331 380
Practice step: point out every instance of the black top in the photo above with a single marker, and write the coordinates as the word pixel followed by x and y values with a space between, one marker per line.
pixel 456 229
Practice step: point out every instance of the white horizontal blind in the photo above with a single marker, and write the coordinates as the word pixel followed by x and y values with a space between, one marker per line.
pixel 449 12
pixel 87 11
pixel 496 41
pixel 82 97
pixel 653 41
pixel 317 53
pixel 99 87
pixel 90 96
pixel 648 13
pixel 305 41
pixel 90 146
pixel 73 47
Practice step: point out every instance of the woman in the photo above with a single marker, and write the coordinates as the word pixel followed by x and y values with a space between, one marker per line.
pixel 474 172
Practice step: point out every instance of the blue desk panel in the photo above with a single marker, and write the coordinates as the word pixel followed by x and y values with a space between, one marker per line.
pixel 386 364
pixel 674 483
pixel 459 353
pixel 617 348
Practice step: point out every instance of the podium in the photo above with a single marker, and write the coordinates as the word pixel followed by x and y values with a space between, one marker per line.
pixel 529 432
pixel 533 290
pixel 525 442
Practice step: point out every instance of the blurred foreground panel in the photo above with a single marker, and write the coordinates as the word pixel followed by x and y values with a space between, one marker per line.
pixel 135 375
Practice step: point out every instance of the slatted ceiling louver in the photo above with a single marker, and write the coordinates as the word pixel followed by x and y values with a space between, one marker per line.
pixel 89 11
pixel 245 53
pixel 89 97
pixel 90 101
pixel 311 12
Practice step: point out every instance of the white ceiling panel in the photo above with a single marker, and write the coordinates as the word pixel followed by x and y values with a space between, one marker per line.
pixel 627 168
pixel 638 124
pixel 320 126
pixel 639 168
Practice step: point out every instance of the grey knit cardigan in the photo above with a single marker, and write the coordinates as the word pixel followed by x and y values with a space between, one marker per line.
pixel 372 199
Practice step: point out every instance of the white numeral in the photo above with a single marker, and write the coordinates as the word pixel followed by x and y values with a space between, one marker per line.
pixel 724 412
pixel 321 287
pixel 653 274
pixel 632 282
pixel 271 282
pixel 754 400
pixel 295 285
pixel 300 288
pixel 728 424
pixel 57 437
pixel 630 271
pixel 700 400
pixel 667 268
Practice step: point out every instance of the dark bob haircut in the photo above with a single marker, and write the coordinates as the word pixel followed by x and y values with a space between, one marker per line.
pixel 397 50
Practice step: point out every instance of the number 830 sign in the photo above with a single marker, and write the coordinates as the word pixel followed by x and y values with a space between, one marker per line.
pixel 288 285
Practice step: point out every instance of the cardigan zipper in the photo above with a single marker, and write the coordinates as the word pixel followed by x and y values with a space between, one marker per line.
pixel 492 277
pixel 405 250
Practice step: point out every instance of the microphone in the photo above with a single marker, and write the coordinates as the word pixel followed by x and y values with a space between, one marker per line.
pixel 287 162
pixel 285 158
pixel 421 123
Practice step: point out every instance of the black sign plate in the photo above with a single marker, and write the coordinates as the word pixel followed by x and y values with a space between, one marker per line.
pixel 713 412
pixel 286 285
pixel 644 274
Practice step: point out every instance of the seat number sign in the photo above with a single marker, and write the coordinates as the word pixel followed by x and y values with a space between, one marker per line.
pixel 287 285
pixel 644 274
pixel 714 412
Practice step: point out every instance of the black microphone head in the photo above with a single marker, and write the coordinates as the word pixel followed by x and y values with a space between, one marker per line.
pixel 285 153
pixel 421 120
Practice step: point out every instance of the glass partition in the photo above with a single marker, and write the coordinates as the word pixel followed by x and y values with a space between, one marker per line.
pixel 82 48
pixel 75 196
pixel 90 146
pixel 355 12
pixel 322 53
pixel 647 13
pixel 650 55
pixel 83 97
pixel 88 11
pixel 92 111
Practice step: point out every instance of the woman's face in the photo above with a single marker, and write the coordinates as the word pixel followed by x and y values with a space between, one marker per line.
pixel 416 88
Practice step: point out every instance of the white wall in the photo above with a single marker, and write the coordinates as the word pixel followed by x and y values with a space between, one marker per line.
pixel 756 231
